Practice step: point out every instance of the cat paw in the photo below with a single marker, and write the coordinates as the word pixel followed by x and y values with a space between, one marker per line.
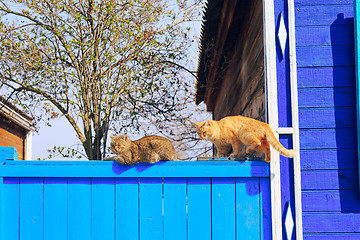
pixel 233 155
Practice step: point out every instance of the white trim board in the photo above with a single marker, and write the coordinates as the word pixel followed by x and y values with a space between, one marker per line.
pixel 295 119
pixel 272 110
pixel 16 117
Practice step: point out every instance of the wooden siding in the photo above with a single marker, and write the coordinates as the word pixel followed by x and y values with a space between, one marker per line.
pixel 327 118
pixel 243 87
pixel 106 200
pixel 12 135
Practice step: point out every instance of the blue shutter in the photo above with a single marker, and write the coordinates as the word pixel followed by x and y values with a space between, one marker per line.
pixel 357 70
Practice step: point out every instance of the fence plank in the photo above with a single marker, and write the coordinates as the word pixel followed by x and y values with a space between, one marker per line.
pixel 151 220
pixel 265 209
pixel 55 208
pixel 11 210
pixel 127 209
pixel 175 216
pixel 113 169
pixel 199 208
pixel 102 208
pixel 223 208
pixel 139 207
pixel 31 208
pixel 79 210
pixel 247 209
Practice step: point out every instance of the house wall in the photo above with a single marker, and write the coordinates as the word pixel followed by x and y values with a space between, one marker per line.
pixel 327 118
pixel 12 135
pixel 243 93
pixel 242 89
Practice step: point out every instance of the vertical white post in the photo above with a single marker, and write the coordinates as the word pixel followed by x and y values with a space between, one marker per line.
pixel 271 83
pixel 28 146
pixel 295 119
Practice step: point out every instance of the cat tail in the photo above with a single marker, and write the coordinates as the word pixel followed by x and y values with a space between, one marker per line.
pixel 278 147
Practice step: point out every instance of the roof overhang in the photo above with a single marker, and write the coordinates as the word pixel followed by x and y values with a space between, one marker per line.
pixel 11 112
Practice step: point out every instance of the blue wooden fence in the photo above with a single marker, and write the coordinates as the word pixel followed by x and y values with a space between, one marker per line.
pixel 105 200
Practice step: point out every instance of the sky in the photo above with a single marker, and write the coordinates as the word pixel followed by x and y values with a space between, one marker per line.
pixel 59 134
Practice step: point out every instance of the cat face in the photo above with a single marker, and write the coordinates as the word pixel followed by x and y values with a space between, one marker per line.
pixel 119 143
pixel 204 129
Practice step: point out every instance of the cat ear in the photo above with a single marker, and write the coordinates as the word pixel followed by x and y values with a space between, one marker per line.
pixel 208 123
pixel 125 137
pixel 196 123
pixel 112 137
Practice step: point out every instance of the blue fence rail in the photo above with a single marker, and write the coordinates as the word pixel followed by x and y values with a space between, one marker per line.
pixel 105 200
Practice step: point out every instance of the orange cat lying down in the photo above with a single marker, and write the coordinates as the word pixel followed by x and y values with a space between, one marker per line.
pixel 230 132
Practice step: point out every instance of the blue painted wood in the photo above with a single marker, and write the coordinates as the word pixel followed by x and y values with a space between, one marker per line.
pixel 327 97
pixel 323 15
pixel 1 206
pixel 31 209
pixel 247 209
pixel 8 153
pixel 331 236
pixel 323 56
pixel 320 35
pixel 123 208
pixel 112 169
pixel 328 159
pixel 329 179
pixel 127 209
pixel 282 70
pixel 102 208
pixel 223 208
pixel 357 71
pixel 331 201
pixel 265 209
pixel 11 209
pixel 55 208
pixel 326 77
pixel 314 117
pixel 199 209
pixel 331 222
pixel 175 216
pixel 79 208
pixel 327 118
pixel 321 2
pixel 287 182
pixel 328 138
pixel 150 217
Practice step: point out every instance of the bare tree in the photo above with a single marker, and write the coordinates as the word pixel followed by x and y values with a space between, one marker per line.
pixel 101 64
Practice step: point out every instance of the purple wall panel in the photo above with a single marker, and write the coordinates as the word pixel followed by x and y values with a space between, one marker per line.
pixel 328 159
pixel 287 182
pixel 326 82
pixel 326 77
pixel 323 15
pixel 328 138
pixel 314 117
pixel 331 200
pixel 283 69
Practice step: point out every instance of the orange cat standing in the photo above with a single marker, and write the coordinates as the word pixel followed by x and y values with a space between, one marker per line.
pixel 230 132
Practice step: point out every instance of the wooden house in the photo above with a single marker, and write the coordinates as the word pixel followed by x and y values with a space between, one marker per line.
pixel 15 129
pixel 292 63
